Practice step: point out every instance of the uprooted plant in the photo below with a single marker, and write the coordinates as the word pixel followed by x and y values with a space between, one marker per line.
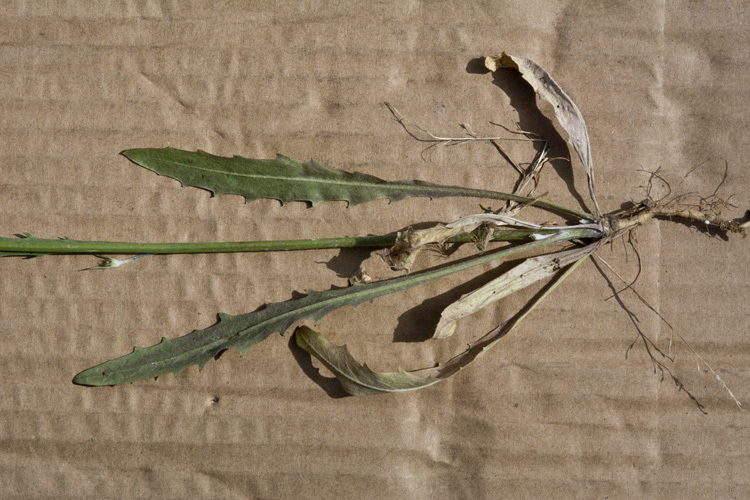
pixel 286 179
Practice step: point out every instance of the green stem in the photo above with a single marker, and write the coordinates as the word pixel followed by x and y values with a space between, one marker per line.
pixel 30 246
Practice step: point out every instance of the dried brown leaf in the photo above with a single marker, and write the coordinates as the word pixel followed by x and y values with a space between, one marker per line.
pixel 402 255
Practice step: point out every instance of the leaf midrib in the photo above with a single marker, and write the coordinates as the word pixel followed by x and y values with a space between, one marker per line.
pixel 343 182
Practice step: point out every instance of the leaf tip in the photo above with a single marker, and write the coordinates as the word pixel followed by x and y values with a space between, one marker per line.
pixel 94 377
pixel 493 63
pixel 84 378
pixel 130 154
pixel 137 155
pixel 444 330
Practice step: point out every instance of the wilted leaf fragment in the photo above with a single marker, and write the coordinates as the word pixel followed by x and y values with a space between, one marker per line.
pixel 409 243
pixel 356 379
pixel 359 380
pixel 286 179
pixel 566 112
pixel 527 273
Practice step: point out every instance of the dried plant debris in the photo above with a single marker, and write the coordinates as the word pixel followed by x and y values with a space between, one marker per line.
pixel 527 273
pixel 286 179
pixel 566 111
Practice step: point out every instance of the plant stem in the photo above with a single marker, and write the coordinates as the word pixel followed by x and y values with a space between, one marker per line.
pixel 30 246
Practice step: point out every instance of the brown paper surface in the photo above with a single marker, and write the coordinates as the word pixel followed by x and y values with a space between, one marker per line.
pixel 560 408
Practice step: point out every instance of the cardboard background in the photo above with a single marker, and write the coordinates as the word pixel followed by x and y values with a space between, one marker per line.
pixel 555 409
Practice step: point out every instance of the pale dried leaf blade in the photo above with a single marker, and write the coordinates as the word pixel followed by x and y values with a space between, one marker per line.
pixel 527 273
pixel 476 349
pixel 566 111
pixel 356 379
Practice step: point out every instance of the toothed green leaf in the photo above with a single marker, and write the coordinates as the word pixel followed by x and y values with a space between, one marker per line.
pixel 244 331
pixel 286 179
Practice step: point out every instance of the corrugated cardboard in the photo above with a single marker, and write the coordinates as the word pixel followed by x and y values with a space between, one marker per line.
pixel 563 407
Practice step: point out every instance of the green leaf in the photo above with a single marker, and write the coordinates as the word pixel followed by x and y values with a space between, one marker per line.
pixel 244 331
pixel 286 179
pixel 359 380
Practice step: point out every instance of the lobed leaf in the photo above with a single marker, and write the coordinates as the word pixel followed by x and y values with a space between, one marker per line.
pixel 286 179
pixel 230 332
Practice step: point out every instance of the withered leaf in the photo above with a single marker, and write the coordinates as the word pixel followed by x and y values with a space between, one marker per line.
pixel 566 112
pixel 402 255
pixel 527 273
pixel 356 379
pixel 359 380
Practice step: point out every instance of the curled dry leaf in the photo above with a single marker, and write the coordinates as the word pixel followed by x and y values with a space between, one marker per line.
pixel 359 380
pixel 402 255
pixel 566 111
pixel 356 379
